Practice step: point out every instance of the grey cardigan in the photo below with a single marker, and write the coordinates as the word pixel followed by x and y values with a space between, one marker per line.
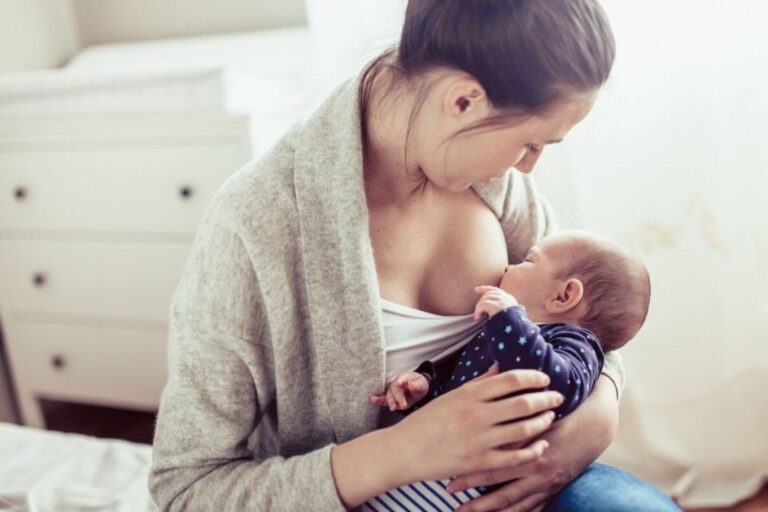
pixel 276 340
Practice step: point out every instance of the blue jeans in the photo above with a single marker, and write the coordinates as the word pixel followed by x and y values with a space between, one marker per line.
pixel 602 488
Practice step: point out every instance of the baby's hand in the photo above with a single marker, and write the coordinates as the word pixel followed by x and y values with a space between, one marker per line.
pixel 493 300
pixel 403 392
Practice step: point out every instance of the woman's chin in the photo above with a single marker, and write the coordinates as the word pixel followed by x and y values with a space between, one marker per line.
pixel 492 178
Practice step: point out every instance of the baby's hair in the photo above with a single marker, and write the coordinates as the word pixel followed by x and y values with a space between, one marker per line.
pixel 617 287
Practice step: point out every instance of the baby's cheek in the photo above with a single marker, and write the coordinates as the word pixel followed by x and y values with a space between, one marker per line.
pixel 506 283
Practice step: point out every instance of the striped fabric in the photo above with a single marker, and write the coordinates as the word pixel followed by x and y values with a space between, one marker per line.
pixel 425 496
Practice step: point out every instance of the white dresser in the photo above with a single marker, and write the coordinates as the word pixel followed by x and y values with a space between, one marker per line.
pixel 97 215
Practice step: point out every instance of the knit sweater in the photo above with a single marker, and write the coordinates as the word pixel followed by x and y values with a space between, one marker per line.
pixel 276 338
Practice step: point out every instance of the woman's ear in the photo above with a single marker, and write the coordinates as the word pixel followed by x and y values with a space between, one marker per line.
pixel 462 95
pixel 568 295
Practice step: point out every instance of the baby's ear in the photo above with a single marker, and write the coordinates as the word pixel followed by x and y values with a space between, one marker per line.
pixel 567 296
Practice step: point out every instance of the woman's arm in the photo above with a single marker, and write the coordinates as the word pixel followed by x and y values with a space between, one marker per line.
pixel 593 424
pixel 613 370
pixel 218 405
pixel 366 466
pixel 461 429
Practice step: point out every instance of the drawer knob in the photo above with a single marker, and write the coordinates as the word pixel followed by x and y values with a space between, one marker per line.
pixel 58 362
pixel 20 193
pixel 39 279
pixel 186 192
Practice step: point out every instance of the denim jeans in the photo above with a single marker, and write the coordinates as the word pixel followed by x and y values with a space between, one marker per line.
pixel 603 488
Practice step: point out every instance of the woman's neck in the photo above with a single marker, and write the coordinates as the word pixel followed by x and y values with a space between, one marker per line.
pixel 388 177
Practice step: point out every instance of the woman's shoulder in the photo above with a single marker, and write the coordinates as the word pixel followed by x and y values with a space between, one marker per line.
pixel 265 187
pixel 259 190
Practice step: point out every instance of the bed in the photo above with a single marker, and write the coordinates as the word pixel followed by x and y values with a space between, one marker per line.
pixel 43 471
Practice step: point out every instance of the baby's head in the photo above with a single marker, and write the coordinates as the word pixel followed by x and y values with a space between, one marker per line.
pixel 585 279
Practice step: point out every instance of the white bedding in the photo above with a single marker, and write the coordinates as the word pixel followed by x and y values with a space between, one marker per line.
pixel 42 471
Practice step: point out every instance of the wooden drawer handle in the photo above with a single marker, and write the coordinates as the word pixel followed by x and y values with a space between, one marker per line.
pixel 39 279
pixel 186 192
pixel 58 362
pixel 20 193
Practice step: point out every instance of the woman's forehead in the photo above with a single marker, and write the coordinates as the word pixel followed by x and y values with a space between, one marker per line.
pixel 554 126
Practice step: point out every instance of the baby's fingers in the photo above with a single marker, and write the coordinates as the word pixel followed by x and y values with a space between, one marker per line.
pixel 391 402
pixel 398 393
pixel 378 400
pixel 480 308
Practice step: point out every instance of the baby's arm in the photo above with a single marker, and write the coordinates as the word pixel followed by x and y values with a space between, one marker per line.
pixel 570 355
pixel 436 374
pixel 405 390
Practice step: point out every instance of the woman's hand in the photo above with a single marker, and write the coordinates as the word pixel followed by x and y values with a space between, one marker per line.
pixel 593 424
pixel 403 392
pixel 493 300
pixel 461 431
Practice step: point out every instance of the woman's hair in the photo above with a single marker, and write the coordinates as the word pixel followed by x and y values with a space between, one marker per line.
pixel 527 54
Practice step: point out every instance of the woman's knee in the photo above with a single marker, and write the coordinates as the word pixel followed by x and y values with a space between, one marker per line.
pixel 601 487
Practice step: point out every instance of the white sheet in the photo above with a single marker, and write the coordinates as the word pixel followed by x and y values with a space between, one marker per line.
pixel 43 471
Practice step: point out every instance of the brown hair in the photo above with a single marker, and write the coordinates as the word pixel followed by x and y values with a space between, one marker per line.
pixel 617 287
pixel 526 54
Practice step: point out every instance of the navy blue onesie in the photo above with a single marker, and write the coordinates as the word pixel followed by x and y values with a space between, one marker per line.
pixel 569 354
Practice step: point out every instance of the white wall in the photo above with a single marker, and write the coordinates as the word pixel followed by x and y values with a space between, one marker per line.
pixel 36 34
pixel 672 161
pixel 348 33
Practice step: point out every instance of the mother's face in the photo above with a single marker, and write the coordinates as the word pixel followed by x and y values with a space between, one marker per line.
pixel 487 153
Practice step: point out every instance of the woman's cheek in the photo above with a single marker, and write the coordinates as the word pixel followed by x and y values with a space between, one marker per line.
pixel 517 157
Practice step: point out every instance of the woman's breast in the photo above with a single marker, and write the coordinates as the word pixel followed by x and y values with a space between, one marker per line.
pixel 432 258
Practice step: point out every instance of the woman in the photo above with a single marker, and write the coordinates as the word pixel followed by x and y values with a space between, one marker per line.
pixel 276 326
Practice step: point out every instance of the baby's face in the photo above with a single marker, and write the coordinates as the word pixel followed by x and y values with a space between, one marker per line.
pixel 533 280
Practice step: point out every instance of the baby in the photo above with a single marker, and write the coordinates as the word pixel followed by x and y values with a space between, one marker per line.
pixel 576 296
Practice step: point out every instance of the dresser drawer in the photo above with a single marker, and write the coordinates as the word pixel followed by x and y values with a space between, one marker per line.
pixel 86 364
pixel 93 282
pixel 146 174
pixel 147 190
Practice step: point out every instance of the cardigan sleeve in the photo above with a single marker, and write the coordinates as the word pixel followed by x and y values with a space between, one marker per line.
pixel 220 384
pixel 526 217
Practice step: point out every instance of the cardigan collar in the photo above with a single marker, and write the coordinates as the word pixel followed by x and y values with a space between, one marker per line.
pixel 339 268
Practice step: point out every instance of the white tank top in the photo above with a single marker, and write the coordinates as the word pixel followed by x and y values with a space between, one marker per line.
pixel 413 336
